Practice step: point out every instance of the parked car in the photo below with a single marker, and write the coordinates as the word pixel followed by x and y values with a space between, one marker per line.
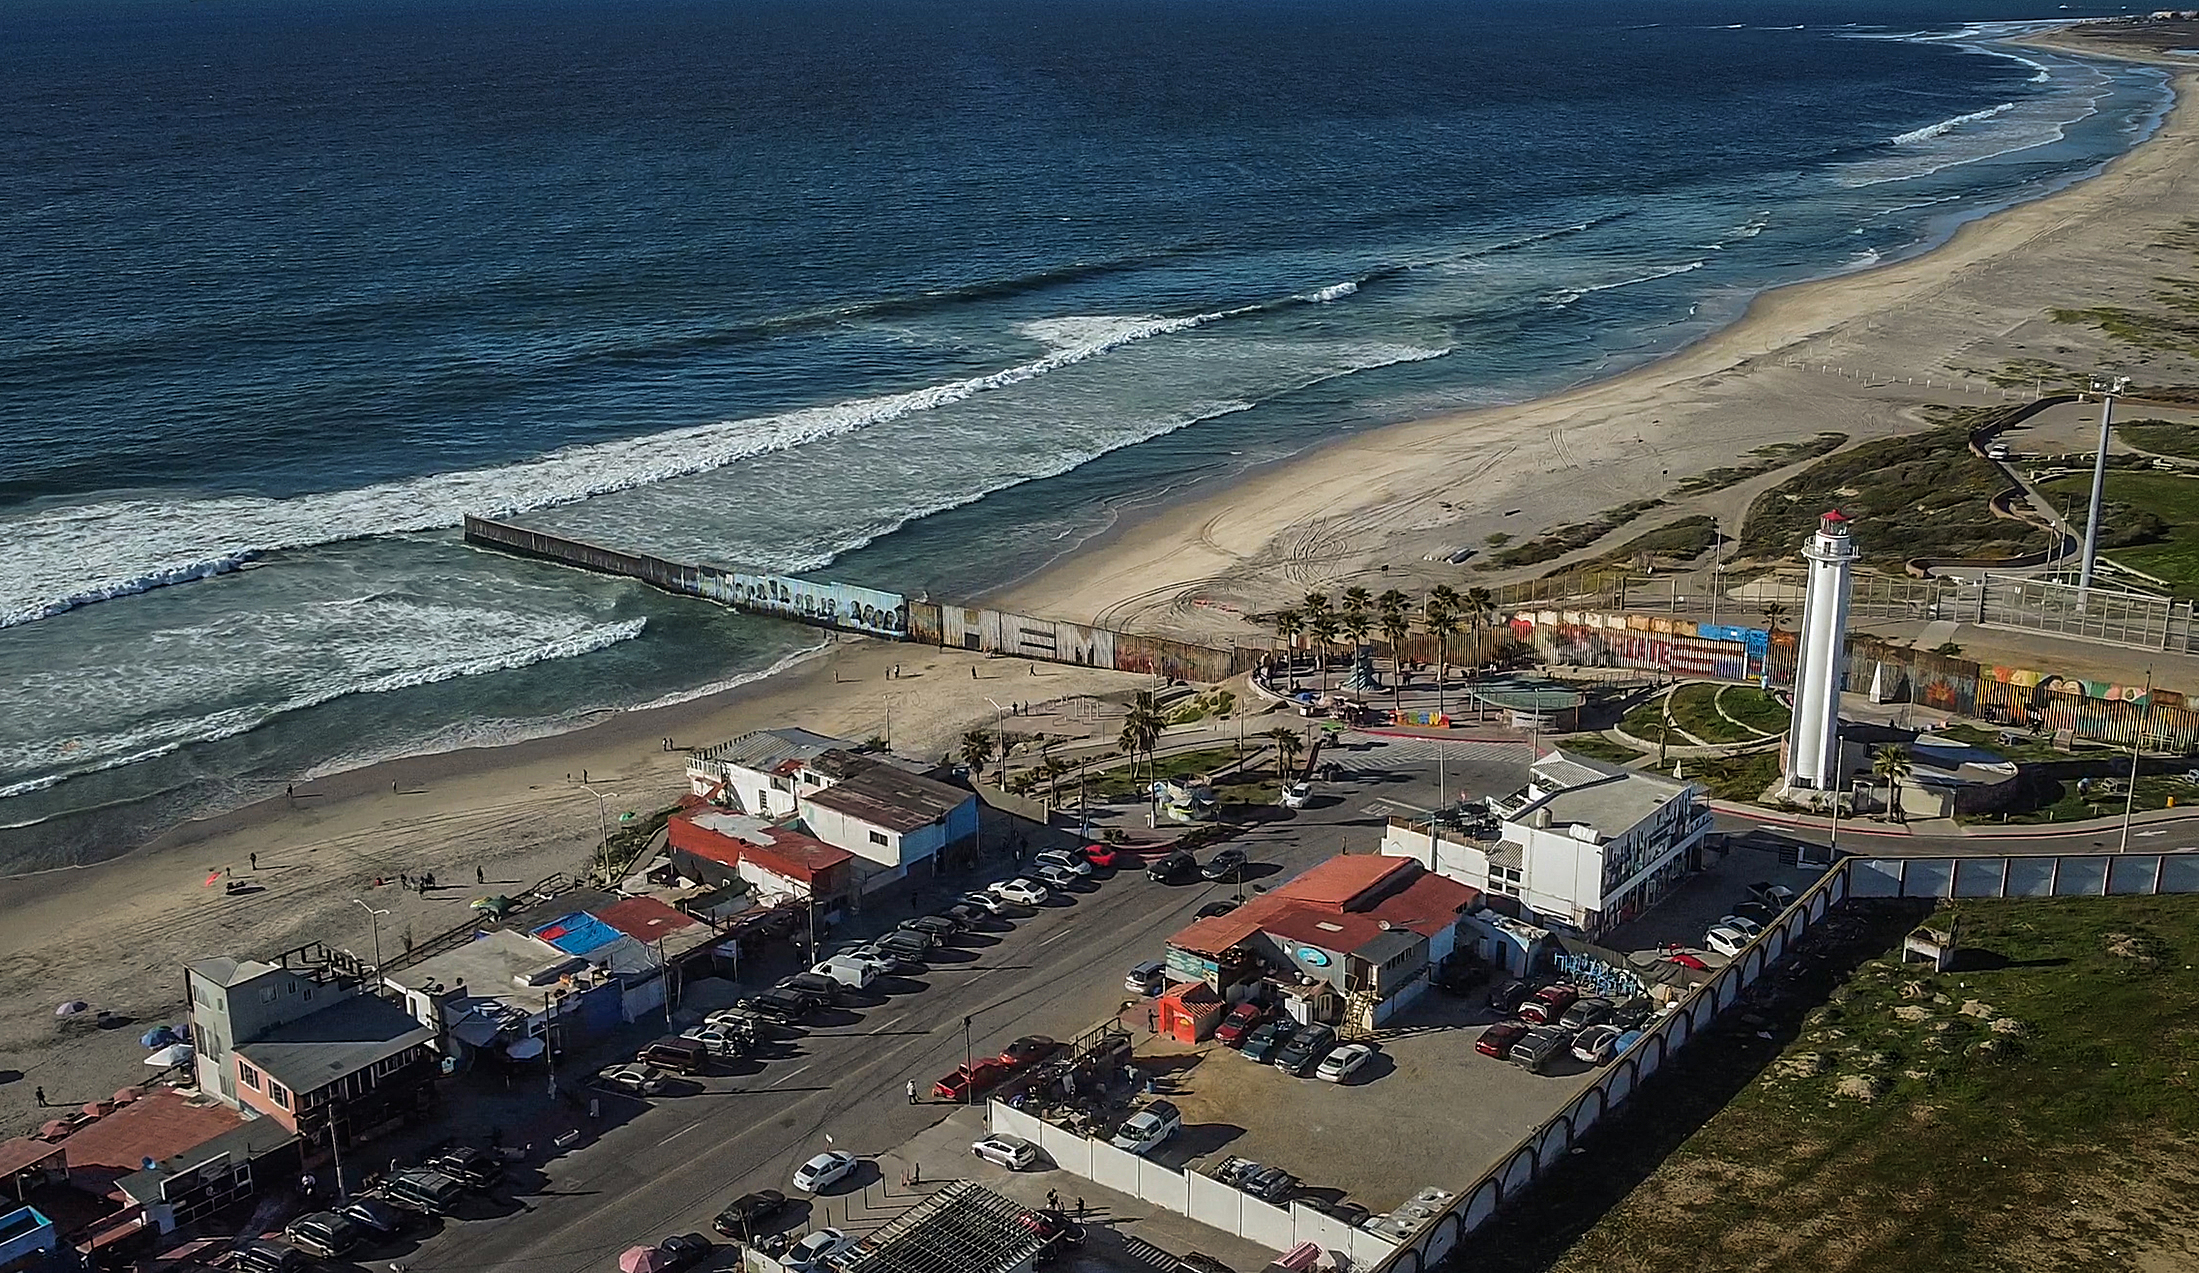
pixel 1455 977
pixel 1296 794
pixel 1741 924
pixel 779 1006
pixel 1585 1013
pixel 1239 1023
pixel 1548 1004
pixel 1028 1050
pixel 740 1023
pixel 470 1165
pixel 1510 993
pixel 1498 1039
pixel 1266 1038
pixel 680 1055
pixel 851 971
pixel 378 1216
pixel 962 1081
pixel 1199 1262
pixel 1220 906
pixel 683 1250
pixel 990 903
pixel 1270 1184
pixel 905 945
pixel 719 1042
pixel 1226 864
pixel 1145 1130
pixel 966 915
pixel 1104 856
pixel 1344 1062
pixel 1074 863
pixel 1024 892
pixel 327 1234
pixel 1305 1049
pixel 1777 896
pixel 1012 1152
pixel 1729 942
pixel 1540 1046
pixel 1176 868
pixel 1056 877
pixel 817 1246
pixel 743 1214
pixel 633 1079
pixel 1597 1043
pixel 424 1190
pixel 824 1170
pixel 1350 1213
pixel 937 927
pixel 268 1257
pixel 820 988
pixel 1145 978
pixel 1755 913
pixel 1054 1229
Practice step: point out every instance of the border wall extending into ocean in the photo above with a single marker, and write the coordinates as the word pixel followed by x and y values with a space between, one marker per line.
pixel 2020 698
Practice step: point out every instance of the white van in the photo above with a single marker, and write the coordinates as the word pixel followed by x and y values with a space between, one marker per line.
pixel 850 971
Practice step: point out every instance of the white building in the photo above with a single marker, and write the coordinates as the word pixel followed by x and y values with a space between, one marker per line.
pixel 1585 846
pixel 759 772
pixel 883 814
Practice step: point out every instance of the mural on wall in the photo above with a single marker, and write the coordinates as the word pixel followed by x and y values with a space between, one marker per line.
pixel 838 605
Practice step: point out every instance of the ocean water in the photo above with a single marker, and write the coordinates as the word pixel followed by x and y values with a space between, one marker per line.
pixel 914 294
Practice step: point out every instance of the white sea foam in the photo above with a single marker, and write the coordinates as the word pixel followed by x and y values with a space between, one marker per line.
pixel 60 559
pixel 1945 126
pixel 131 743
pixel 1567 295
pixel 1333 292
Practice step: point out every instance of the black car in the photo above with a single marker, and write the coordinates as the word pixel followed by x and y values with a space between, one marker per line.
pixel 1266 1037
pixel 1199 1262
pixel 1176 868
pixel 1757 911
pixel 683 1250
pixel 779 1006
pixel 937 927
pixel 1305 1049
pixel 740 1217
pixel 1585 1013
pixel 1510 994
pixel 1225 864
pixel 327 1234
pixel 1272 1184
pixel 966 915
pixel 269 1257
pixel 1211 909
pixel 1350 1213
pixel 909 943
pixel 379 1217
pixel 817 986
pixel 477 1167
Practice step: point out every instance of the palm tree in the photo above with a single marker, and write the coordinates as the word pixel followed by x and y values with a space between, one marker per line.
pixel 1891 763
pixel 1055 768
pixel 977 748
pixel 1316 603
pixel 1440 618
pixel 1354 623
pixel 1394 627
pixel 1321 628
pixel 1477 603
pixel 1357 598
pixel 1287 748
pixel 1141 731
pixel 1288 624
pixel 1393 602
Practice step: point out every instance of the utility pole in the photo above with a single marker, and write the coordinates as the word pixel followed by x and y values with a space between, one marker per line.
pixel 2130 794
pixel 603 832
pixel 2107 388
pixel 374 917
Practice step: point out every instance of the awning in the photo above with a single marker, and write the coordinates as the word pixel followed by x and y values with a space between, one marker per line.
pixel 524 1050
pixel 475 1030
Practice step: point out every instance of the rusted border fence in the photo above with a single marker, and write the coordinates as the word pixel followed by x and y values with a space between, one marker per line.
pixel 2042 875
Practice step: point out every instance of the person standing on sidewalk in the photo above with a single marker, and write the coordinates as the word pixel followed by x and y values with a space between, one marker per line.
pixel 912 1091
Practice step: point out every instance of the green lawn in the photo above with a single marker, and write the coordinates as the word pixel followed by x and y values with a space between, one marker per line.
pixel 2162 507
pixel 1750 715
pixel 1597 747
pixel 2038 1108
pixel 2061 803
pixel 1755 708
pixel 2162 437
pixel 1117 782
pixel 1743 777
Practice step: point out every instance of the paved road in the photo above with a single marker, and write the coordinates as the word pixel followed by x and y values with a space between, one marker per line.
pixel 670 1166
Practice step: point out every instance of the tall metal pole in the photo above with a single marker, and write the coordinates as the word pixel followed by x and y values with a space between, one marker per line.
pixel 374 917
pixel 603 831
pixel 2130 793
pixel 969 1063
pixel 2107 389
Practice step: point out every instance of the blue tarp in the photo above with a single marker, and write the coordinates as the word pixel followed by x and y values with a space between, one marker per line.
pixel 578 933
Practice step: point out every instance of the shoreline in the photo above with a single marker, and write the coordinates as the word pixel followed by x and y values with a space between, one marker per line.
pixel 1074 585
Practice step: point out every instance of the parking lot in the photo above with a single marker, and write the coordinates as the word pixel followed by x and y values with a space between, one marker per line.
pixel 1701 899
pixel 1427 1110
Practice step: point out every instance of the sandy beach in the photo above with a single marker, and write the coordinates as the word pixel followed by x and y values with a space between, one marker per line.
pixel 1371 509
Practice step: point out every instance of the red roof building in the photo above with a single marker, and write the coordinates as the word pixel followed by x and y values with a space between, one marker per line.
pixel 1369 928
pixel 777 859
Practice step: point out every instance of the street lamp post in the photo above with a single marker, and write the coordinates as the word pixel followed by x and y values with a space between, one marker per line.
pixel 969 1063
pixel 2107 388
pixel 889 720
pixel 2130 793
pixel 374 917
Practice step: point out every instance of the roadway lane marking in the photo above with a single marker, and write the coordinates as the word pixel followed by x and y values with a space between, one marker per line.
pixel 880 1029
pixel 1057 936
pixel 681 1132
pixel 792 1074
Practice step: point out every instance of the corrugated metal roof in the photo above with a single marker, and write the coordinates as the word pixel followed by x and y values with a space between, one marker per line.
pixel 766 749
pixel 1322 907
pixel 891 798
pixel 312 1052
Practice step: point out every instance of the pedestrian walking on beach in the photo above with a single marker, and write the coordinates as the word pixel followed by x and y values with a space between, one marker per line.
pixel 290 790
pixel 1053 1199
pixel 480 876
pixel 1080 1208
pixel 912 1091
pixel 255 860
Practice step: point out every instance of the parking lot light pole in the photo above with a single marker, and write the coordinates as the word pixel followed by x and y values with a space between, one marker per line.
pixel 374 917
pixel 969 1063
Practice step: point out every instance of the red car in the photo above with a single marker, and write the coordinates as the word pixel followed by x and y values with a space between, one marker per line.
pixel 1102 855
pixel 1028 1050
pixel 966 1080
pixel 1239 1023
pixel 1549 1004
pixel 1498 1039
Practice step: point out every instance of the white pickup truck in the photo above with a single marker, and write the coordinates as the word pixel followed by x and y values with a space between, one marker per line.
pixel 850 971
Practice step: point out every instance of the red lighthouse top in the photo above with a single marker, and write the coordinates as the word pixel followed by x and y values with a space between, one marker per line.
pixel 1834 523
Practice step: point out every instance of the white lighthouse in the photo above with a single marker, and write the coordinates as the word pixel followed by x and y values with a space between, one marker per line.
pixel 1813 739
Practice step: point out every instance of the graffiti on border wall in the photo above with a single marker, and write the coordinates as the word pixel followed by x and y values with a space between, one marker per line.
pixel 837 605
